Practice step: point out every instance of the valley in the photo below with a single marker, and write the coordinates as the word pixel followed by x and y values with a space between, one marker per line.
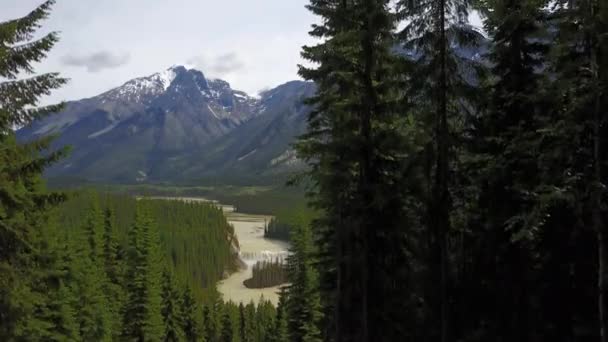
pixel 249 230
pixel 251 247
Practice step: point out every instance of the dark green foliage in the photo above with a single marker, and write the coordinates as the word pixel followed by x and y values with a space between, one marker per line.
pixel 498 183
pixel 169 309
pixel 282 223
pixel 264 320
pixel 112 260
pixel 210 329
pixel 227 321
pixel 93 316
pixel 142 312
pixel 31 279
pixel 188 312
pixel 280 332
pixel 440 88
pixel 267 274
pixel 276 229
pixel 302 297
pixel 355 149
pixel 194 236
pixel 502 159
pixel 227 332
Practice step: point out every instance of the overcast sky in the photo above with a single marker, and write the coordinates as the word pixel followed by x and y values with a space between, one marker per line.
pixel 253 44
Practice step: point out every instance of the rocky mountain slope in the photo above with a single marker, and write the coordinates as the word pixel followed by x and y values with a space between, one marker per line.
pixel 176 125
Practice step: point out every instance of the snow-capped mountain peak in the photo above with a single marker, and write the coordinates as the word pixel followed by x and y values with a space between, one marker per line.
pixel 138 90
pixel 166 77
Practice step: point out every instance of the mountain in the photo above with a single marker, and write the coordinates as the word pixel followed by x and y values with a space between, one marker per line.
pixel 176 125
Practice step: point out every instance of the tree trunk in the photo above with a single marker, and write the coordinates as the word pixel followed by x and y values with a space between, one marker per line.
pixel 602 243
pixel 442 192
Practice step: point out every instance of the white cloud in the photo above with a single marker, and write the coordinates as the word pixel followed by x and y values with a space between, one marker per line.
pixel 218 66
pixel 251 44
pixel 97 61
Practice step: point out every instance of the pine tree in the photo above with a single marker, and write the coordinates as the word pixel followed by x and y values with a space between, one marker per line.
pixel 249 323
pixel 55 314
pixel 188 311
pixel 208 325
pixel 23 199
pixel 242 323
pixel 94 314
pixel 303 299
pixel 94 229
pixel 578 128
pixel 504 145
pixel 441 95
pixel 354 149
pixel 142 319
pixel 227 330
pixel 281 332
pixel 265 317
pixel 169 309
pixel 113 284
pixel 110 248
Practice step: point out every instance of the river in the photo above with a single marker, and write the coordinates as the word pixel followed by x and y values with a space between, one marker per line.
pixel 249 230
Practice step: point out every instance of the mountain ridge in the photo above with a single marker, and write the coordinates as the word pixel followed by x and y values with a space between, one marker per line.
pixel 159 127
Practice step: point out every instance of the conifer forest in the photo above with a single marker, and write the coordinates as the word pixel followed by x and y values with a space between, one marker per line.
pixel 450 186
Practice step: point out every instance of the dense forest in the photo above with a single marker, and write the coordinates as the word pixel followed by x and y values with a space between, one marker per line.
pixel 454 198
pixel 195 237
pixel 282 223
pixel 267 274
pixel 461 194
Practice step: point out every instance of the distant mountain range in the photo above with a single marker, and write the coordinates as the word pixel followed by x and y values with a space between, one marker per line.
pixel 177 126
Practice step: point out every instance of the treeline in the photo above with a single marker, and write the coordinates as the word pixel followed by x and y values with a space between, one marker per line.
pixel 277 229
pixel 460 177
pixel 83 285
pixel 230 322
pixel 267 274
pixel 195 237
pixel 280 226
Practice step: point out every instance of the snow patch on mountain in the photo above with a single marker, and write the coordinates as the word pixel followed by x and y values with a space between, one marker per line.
pixel 247 155
pixel 103 131
pixel 166 78
pixel 289 158
pixel 140 89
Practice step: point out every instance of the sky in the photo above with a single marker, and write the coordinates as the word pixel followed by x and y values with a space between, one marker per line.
pixel 252 44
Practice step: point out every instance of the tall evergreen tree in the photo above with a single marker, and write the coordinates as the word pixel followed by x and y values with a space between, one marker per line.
pixel 578 128
pixel 209 326
pixel 94 229
pixel 94 316
pixel 302 294
pixel 281 330
pixel 169 309
pixel 23 199
pixel 114 272
pixel 227 330
pixel 265 320
pixel 187 312
pixel 439 91
pixel 54 316
pixel 503 148
pixel 354 148
pixel 142 319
